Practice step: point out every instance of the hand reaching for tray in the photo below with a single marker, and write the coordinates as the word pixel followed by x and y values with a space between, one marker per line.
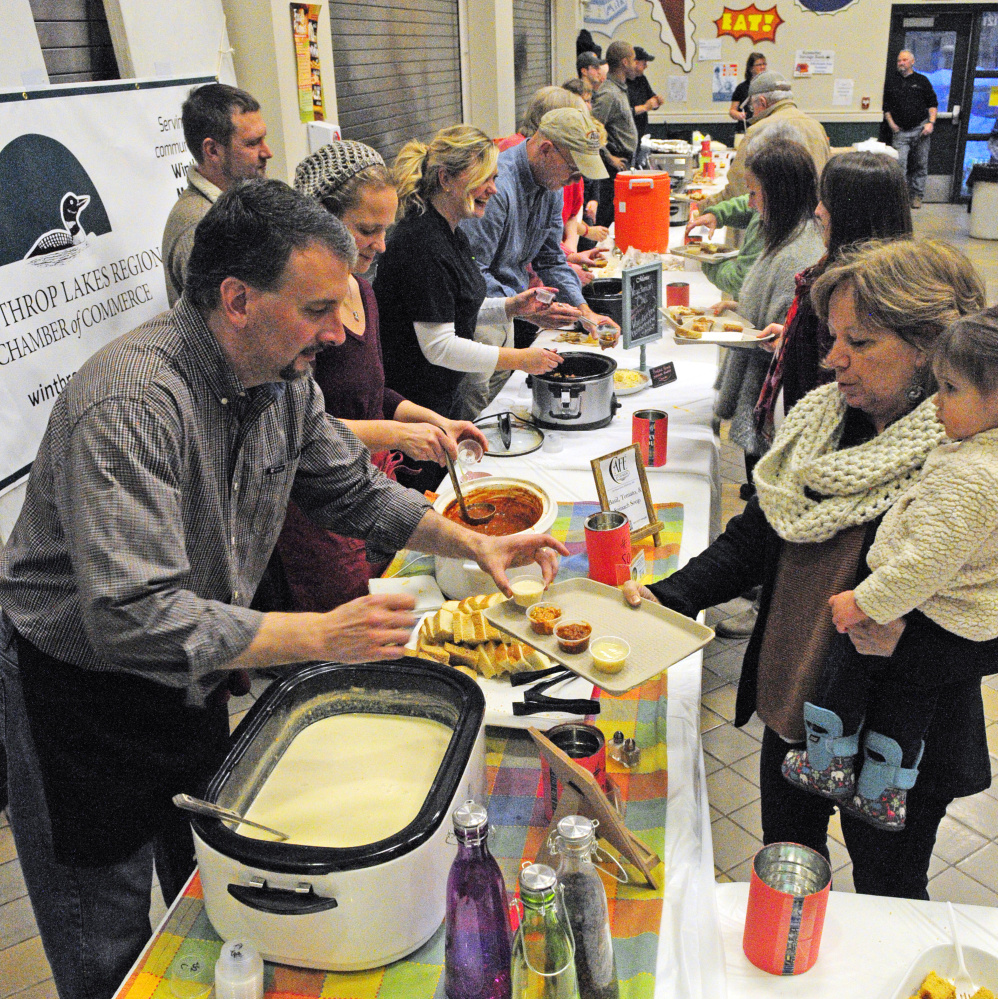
pixel 634 593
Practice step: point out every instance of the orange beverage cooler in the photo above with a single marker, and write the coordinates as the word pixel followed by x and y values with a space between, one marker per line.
pixel 641 211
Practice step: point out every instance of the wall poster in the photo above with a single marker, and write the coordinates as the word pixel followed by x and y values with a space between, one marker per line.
pixel 749 22
pixel 305 28
pixel 87 179
pixel 676 29
pixel 724 79
pixel 605 16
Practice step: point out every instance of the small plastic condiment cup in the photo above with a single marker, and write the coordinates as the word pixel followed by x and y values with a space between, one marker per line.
pixel 572 645
pixel 545 626
pixel 526 591
pixel 607 334
pixel 545 295
pixel 469 452
pixel 609 653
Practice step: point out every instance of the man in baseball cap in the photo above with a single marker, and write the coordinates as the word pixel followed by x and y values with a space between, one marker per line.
pixel 642 99
pixel 572 132
pixel 771 100
pixel 522 224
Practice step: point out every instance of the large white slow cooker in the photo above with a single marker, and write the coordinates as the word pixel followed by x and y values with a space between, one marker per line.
pixel 459 578
pixel 332 908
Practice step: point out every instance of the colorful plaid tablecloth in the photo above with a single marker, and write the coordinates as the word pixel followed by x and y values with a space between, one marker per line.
pixel 569 527
pixel 517 814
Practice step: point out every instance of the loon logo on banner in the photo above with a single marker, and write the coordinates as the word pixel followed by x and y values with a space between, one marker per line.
pixel 825 6
pixel 49 208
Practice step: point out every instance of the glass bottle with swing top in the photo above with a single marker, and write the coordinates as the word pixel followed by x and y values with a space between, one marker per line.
pixel 585 903
pixel 543 950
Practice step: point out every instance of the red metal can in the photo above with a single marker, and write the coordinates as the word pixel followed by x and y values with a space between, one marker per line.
pixel 787 899
pixel 650 431
pixel 608 545
pixel 582 743
pixel 677 293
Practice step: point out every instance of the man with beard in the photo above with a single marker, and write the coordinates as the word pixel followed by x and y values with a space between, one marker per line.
pixel 153 506
pixel 227 137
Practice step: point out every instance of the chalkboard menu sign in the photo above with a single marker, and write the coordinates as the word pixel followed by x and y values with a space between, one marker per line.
pixel 642 287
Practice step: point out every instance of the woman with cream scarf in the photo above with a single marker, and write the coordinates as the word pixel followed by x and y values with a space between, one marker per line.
pixel 841 459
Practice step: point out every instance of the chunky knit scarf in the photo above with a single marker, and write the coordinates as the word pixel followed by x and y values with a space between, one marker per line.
pixel 809 490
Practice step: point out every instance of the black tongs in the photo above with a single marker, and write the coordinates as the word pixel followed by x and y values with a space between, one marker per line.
pixel 535 700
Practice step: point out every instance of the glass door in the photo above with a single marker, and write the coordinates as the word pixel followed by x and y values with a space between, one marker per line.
pixel 940 40
pixel 979 143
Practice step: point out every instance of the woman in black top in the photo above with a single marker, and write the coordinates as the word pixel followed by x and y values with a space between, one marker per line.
pixel 756 64
pixel 431 292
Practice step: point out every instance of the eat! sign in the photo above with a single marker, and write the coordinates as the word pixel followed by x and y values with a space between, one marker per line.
pixel 750 22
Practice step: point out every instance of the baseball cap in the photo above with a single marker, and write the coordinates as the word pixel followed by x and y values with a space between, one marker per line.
pixel 768 82
pixel 576 132
pixel 643 54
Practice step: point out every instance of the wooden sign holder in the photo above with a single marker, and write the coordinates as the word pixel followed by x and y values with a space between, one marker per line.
pixel 581 795
pixel 654 527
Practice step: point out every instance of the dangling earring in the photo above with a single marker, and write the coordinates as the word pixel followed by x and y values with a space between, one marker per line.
pixel 915 392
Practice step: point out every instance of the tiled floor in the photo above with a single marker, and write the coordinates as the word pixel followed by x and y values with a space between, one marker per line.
pixel 965 864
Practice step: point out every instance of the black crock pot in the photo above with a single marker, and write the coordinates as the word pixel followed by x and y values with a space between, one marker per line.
pixel 605 297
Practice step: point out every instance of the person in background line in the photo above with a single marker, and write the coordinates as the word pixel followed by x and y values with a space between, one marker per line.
pixel 587 67
pixel 323 569
pixel 755 65
pixel 430 291
pixel 612 107
pixel 153 506
pixel 771 100
pixel 642 99
pixel 910 108
pixel 547 99
pixel 783 190
pixel 839 462
pixel 523 225
pixel 863 197
pixel 227 137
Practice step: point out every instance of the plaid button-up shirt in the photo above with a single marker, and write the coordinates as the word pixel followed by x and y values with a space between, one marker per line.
pixel 157 496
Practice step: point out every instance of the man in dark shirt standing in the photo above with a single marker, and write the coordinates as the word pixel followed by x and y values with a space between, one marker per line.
pixel 910 106
pixel 642 99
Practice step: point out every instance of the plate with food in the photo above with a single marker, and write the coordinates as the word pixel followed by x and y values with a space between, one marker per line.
pixel 931 973
pixel 713 253
pixel 629 381
pixel 590 628
pixel 726 330
pixel 459 635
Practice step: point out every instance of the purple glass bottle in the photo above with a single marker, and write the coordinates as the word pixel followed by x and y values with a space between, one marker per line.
pixel 477 943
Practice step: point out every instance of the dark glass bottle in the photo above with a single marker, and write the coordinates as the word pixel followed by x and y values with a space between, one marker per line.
pixel 584 898
pixel 477 944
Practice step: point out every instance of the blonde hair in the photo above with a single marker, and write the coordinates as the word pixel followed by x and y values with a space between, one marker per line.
pixel 456 149
pixel 547 99
pixel 914 290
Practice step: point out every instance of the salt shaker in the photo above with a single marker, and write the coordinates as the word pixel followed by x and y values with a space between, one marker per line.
pixel 239 971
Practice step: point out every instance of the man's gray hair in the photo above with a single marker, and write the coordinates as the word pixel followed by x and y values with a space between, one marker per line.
pixel 251 231
pixel 779 131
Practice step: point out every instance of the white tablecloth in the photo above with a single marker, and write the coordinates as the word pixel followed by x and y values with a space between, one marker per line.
pixel 689 935
pixel 867 945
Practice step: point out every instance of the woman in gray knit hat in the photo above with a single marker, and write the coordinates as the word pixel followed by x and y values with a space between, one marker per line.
pixel 324 570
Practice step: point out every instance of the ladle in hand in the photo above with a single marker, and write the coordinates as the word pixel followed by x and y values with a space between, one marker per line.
pixel 201 807
pixel 484 512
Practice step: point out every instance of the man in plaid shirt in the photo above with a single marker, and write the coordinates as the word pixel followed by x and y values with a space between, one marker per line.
pixel 153 506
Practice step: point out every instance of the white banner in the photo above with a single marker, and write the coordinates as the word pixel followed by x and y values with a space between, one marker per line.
pixel 88 176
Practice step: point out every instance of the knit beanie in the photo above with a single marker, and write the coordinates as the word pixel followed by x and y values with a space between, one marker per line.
pixel 330 167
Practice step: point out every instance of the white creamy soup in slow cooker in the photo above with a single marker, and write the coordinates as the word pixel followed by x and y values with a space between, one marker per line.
pixel 350 779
